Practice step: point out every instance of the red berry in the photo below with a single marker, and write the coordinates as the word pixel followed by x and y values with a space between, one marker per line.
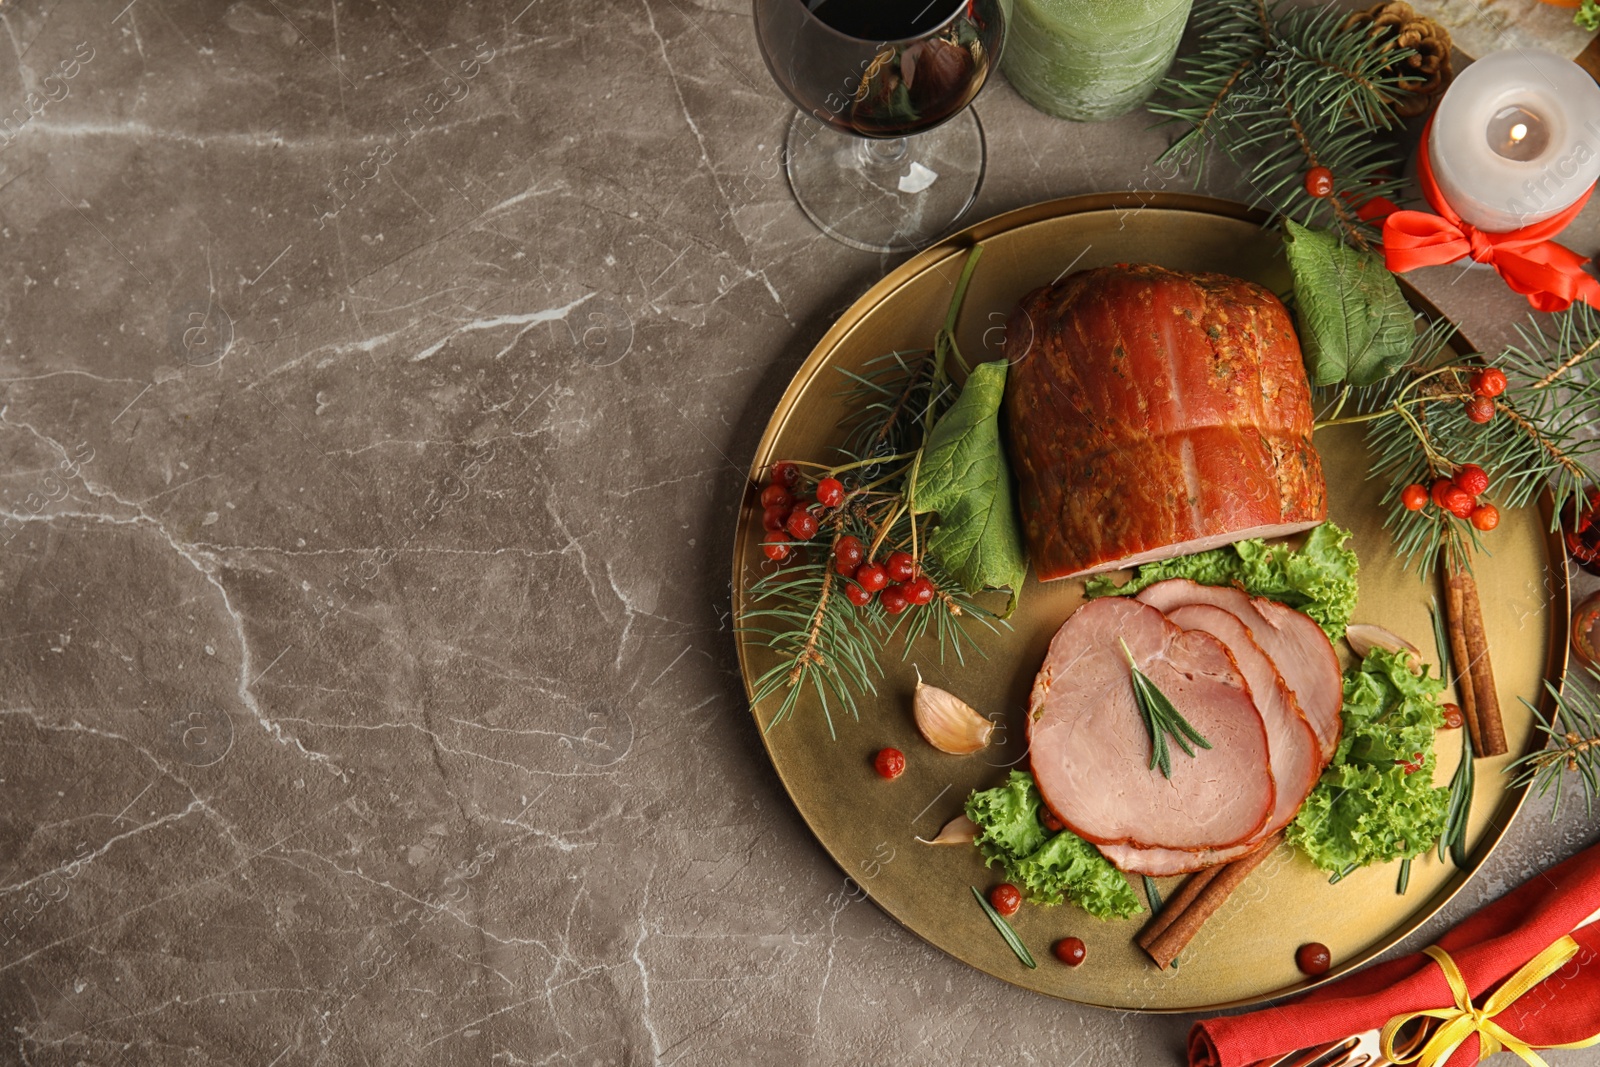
pixel 1048 820
pixel 1480 409
pixel 1472 478
pixel 1485 517
pixel 1414 497
pixel 774 518
pixel 777 546
pixel 900 566
pixel 1313 959
pixel 802 524
pixel 1457 501
pixel 785 474
pixel 848 551
pixel 919 591
pixel 1070 950
pixel 1006 899
pixel 1490 382
pixel 845 569
pixel 857 595
pixel 894 599
pixel 1441 486
pixel 1319 182
pixel 1453 718
pixel 889 763
pixel 776 496
pixel 872 577
pixel 830 492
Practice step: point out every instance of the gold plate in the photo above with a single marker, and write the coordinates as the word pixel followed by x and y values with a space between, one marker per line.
pixel 1245 953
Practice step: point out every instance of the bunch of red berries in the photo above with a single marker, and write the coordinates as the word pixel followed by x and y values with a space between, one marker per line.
pixel 1486 384
pixel 1457 495
pixel 789 517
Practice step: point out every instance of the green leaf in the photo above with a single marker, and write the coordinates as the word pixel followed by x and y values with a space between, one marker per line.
pixel 1005 930
pixel 964 477
pixel 1587 17
pixel 1355 324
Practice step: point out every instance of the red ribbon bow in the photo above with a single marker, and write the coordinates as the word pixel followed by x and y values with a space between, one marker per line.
pixel 1551 276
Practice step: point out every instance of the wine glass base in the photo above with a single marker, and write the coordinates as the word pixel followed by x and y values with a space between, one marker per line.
pixel 890 195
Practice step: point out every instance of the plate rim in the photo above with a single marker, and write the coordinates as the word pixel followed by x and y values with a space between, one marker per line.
pixel 951 248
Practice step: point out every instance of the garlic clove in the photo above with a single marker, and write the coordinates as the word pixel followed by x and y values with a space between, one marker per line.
pixel 958 831
pixel 948 723
pixel 1364 637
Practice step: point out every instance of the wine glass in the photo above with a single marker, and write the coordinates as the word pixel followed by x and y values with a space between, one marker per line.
pixel 896 76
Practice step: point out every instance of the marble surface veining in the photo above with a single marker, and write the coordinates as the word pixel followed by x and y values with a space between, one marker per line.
pixel 377 382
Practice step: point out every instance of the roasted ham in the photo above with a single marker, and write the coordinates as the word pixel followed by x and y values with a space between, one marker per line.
pixel 1153 414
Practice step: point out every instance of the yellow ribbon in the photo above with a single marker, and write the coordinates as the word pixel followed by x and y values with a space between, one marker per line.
pixel 1464 1020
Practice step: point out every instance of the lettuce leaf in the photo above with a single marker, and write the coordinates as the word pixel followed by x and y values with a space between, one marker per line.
pixel 1318 578
pixel 1366 808
pixel 1048 868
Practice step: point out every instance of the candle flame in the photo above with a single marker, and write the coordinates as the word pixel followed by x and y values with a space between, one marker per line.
pixel 1518 132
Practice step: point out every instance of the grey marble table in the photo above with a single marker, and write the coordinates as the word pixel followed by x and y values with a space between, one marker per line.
pixel 370 447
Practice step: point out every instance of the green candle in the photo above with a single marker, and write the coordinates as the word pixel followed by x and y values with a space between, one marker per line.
pixel 1090 60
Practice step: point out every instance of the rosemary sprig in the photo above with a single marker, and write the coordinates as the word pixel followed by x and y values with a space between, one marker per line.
pixel 1458 807
pixel 1573 732
pixel 1161 719
pixel 1005 930
pixel 1152 893
pixel 1404 880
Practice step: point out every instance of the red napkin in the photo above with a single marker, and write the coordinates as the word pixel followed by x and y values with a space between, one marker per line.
pixel 1488 947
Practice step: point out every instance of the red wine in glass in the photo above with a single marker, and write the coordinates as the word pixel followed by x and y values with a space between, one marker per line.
pixel 895 73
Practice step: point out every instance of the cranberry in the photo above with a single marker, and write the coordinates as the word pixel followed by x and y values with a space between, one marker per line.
pixel 1453 717
pixel 857 595
pixel 848 550
pixel 1070 950
pixel 802 525
pixel 774 518
pixel 894 599
pixel 776 546
pixel 1490 382
pixel 1441 486
pixel 776 496
pixel 785 474
pixel 1048 820
pixel 1006 899
pixel 901 566
pixel 889 763
pixel 830 492
pixel 1457 501
pixel 919 591
pixel 1485 517
pixel 1319 182
pixel 1313 959
pixel 846 569
pixel 1414 497
pixel 1472 478
pixel 1480 409
pixel 872 577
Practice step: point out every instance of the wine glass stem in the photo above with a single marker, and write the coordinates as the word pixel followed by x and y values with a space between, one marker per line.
pixel 881 152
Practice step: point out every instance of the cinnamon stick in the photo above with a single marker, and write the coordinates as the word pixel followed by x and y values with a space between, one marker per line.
pixel 1179 930
pixel 1469 647
pixel 1176 905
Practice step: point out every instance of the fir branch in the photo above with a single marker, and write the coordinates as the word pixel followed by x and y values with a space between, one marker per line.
pixel 1572 735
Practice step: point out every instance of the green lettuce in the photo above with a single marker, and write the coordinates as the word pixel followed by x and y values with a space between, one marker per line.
pixel 1366 808
pixel 1318 578
pixel 1048 868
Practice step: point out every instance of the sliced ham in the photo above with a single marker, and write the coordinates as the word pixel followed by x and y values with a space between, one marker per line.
pixel 1302 652
pixel 1293 746
pixel 1090 748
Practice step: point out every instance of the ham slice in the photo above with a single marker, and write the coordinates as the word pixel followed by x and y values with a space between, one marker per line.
pixel 1301 651
pixel 1090 748
pixel 1293 747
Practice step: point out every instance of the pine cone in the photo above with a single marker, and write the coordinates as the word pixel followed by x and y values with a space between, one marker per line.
pixel 1424 76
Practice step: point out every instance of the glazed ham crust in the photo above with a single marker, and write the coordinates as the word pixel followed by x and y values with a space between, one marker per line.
pixel 1154 413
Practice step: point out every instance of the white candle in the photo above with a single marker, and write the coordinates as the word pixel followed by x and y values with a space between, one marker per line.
pixel 1516 139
